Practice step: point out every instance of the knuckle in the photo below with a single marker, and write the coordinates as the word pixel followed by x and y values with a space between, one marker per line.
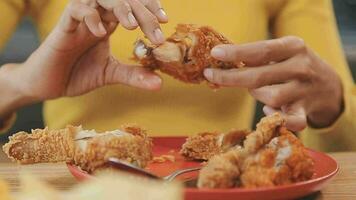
pixel 304 71
pixel 145 2
pixel 275 99
pixel 257 81
pixel 151 20
pixel 222 79
pixel 124 5
pixel 267 50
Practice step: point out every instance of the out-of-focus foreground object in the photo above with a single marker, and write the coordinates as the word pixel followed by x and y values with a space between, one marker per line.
pixel 108 186
pixel 4 190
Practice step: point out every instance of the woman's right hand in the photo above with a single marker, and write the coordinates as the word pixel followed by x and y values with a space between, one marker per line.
pixel 75 58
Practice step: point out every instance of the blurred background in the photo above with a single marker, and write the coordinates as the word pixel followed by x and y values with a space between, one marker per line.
pixel 25 40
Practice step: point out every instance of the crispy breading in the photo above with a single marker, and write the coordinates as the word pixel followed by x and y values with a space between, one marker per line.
pixel 205 145
pixel 283 161
pixel 265 131
pixel 221 171
pixel 185 54
pixel 87 149
pixel 270 156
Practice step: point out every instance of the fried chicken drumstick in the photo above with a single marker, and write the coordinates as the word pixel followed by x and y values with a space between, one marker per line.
pixel 270 156
pixel 84 148
pixel 185 54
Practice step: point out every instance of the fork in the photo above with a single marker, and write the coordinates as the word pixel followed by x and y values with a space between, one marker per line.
pixel 122 165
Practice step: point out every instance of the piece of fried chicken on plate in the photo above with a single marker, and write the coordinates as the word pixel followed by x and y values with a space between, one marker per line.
pixel 270 156
pixel 283 160
pixel 185 54
pixel 205 145
pixel 85 148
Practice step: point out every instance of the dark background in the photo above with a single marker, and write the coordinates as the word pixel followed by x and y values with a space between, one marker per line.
pixel 25 40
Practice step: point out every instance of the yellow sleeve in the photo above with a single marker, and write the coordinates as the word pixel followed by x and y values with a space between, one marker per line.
pixel 12 11
pixel 314 21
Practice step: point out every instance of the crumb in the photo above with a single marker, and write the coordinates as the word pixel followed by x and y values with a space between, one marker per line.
pixel 163 158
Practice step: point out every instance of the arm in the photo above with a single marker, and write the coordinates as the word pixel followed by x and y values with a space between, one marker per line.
pixel 15 10
pixel 318 28
pixel 288 75
pixel 75 58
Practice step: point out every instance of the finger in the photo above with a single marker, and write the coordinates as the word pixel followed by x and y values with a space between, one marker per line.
pixel 260 53
pixel 294 115
pixel 76 13
pixel 108 16
pixel 111 27
pixel 147 21
pixel 280 94
pixel 255 77
pixel 124 14
pixel 91 3
pixel 155 7
pixel 135 76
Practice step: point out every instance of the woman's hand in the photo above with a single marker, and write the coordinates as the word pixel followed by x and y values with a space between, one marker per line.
pixel 285 75
pixel 76 58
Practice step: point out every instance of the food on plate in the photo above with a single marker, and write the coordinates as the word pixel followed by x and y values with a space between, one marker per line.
pixel 163 158
pixel 85 148
pixel 205 145
pixel 106 186
pixel 185 54
pixel 269 156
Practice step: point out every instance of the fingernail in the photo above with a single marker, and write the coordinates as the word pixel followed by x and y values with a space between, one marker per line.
pixel 102 28
pixel 208 73
pixel 153 82
pixel 162 15
pixel 268 110
pixel 218 52
pixel 132 19
pixel 159 36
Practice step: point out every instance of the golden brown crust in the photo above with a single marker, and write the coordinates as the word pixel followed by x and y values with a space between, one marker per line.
pixel 266 169
pixel 88 153
pixel 201 147
pixel 195 44
pixel 41 146
pixel 271 156
pixel 221 171
pixel 205 145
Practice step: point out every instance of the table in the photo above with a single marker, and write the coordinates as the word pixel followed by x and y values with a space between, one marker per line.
pixel 342 187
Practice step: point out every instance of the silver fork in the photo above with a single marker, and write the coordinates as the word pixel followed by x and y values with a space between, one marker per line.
pixel 119 164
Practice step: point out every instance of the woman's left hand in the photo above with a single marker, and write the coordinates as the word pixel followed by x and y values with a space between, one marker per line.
pixel 285 75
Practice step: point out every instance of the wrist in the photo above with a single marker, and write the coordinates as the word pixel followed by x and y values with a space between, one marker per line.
pixel 12 91
pixel 326 115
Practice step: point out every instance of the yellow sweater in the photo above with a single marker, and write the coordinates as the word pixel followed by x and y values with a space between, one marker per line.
pixel 182 109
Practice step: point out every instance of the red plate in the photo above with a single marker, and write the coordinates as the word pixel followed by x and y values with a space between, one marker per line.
pixel 325 168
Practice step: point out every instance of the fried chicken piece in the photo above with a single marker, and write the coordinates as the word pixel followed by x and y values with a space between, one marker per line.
pixel 85 148
pixel 283 161
pixel 205 145
pixel 270 156
pixel 185 54
pixel 221 170
pixel 265 131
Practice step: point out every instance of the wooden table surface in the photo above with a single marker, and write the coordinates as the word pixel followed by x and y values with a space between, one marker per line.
pixel 342 187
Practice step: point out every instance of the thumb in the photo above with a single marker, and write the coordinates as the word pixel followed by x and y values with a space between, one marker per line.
pixel 294 115
pixel 132 75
